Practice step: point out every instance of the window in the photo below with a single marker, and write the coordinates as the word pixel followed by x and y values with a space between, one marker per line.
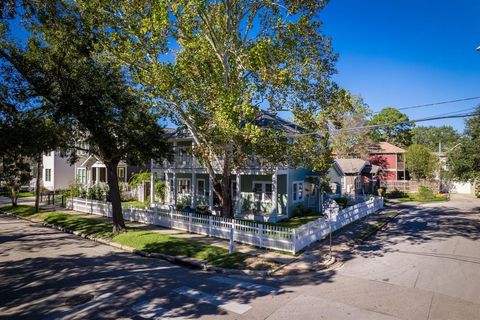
pixel 201 187
pixel 184 186
pixel 82 147
pixel 262 191
pixel 297 191
pixel 399 157
pixel 81 175
pixel 358 183
pixel 121 173
pixel 48 175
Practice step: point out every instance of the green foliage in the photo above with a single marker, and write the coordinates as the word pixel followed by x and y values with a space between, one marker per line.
pixel 74 190
pixel 161 190
pixel 81 89
pixel 19 210
pixel 223 71
pixel 420 162
pixel 464 160
pixel 342 202
pixel 431 136
pixel 397 130
pixel 301 211
pixel 395 194
pixel 14 173
pixel 139 179
pixel 425 193
pixel 97 192
pixel 349 143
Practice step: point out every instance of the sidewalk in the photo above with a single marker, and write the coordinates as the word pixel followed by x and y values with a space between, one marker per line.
pixel 316 257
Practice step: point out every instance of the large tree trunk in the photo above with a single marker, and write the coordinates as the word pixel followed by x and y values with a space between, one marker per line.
pixel 226 198
pixel 37 185
pixel 114 193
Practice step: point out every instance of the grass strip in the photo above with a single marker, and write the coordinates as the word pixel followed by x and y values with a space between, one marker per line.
pixel 138 238
pixel 20 210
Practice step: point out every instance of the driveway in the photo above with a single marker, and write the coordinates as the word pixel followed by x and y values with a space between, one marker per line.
pixel 424 266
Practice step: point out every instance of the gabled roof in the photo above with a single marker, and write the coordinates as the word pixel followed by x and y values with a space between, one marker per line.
pixel 264 119
pixel 349 166
pixel 384 147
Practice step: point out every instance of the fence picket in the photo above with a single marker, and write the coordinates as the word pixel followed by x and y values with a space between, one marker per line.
pixel 250 232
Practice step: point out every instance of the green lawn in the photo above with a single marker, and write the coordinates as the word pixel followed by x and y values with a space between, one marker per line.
pixel 25 194
pixel 155 242
pixel 88 226
pixel 19 210
pixel 140 239
pixel 414 197
pixel 138 204
pixel 295 222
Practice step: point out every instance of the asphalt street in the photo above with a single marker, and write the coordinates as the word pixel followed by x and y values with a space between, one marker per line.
pixel 425 265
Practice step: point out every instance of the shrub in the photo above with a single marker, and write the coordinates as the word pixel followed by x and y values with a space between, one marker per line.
pixel 425 193
pixel 342 202
pixel 395 194
pixel 300 211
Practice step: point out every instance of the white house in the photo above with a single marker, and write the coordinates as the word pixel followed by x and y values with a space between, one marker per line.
pixel 57 173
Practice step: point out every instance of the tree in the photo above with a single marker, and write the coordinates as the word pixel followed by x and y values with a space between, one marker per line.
pixel 463 162
pixel 14 173
pixel 420 162
pixel 431 137
pixel 350 140
pixel 216 64
pixel 393 127
pixel 83 92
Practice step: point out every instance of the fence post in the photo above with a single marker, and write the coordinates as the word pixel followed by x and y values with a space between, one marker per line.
pixel 189 221
pixel 230 247
pixel 294 241
pixel 210 218
pixel 260 234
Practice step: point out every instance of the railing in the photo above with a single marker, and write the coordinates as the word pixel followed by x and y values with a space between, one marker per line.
pixel 249 232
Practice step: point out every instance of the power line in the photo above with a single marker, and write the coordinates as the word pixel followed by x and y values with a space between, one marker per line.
pixel 437 117
pixel 438 103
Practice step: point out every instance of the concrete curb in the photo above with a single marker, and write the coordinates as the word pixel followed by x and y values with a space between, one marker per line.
pixel 368 235
pixel 182 261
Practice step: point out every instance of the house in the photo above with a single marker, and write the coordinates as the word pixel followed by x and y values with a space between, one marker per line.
pixel 90 170
pixel 354 177
pixel 390 158
pixel 255 190
pixel 57 172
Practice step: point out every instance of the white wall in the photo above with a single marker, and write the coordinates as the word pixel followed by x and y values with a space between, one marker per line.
pixel 62 172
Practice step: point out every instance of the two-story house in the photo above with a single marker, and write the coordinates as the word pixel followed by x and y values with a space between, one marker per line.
pixel 254 189
pixel 57 172
pixel 390 158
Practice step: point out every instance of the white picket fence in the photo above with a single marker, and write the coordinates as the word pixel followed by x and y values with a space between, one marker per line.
pixel 249 232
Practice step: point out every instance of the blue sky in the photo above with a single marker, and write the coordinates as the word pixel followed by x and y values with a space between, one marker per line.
pixel 403 53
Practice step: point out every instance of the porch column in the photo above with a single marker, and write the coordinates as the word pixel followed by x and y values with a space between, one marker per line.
pixel 210 194
pixel 152 183
pixel 97 175
pixel 274 192
pixel 167 186
pixel 289 197
pixel 238 199
pixel 175 189
pixel 194 190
